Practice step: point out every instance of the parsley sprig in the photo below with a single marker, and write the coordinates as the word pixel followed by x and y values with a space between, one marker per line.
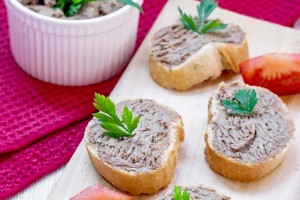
pixel 71 7
pixel 179 194
pixel 133 4
pixel 114 126
pixel 204 9
pixel 243 103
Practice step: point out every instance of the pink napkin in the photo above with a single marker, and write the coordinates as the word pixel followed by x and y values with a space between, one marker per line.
pixel 284 12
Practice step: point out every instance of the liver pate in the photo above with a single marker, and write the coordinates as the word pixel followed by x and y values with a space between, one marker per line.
pixel 89 10
pixel 146 150
pixel 174 44
pixel 254 138
pixel 199 193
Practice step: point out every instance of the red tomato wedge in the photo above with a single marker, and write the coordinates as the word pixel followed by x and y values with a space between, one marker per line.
pixel 97 192
pixel 277 72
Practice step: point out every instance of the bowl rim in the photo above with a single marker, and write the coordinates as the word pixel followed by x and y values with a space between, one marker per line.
pixel 120 12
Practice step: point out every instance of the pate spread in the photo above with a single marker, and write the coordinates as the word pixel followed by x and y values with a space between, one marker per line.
pixel 173 45
pixel 147 149
pixel 89 10
pixel 253 138
pixel 197 193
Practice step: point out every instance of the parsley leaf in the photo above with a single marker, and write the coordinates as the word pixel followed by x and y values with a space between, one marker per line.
pixel 133 4
pixel 243 103
pixel 204 9
pixel 179 195
pixel 212 26
pixel 188 21
pixel 71 7
pixel 107 116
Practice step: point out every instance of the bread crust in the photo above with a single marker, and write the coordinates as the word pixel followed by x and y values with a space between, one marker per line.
pixel 237 170
pixel 207 63
pixel 169 194
pixel 141 183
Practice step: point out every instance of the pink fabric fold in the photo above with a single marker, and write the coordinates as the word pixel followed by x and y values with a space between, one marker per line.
pixel 277 11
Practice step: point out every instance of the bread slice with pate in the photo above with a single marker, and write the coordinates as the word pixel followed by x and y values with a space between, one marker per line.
pixel 181 58
pixel 144 163
pixel 246 148
pixel 199 192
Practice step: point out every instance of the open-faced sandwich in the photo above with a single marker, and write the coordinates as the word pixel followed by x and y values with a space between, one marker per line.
pixel 199 192
pixel 135 154
pixel 249 131
pixel 194 50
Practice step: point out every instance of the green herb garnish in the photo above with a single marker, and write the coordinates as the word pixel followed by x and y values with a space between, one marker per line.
pixel 205 8
pixel 133 4
pixel 71 7
pixel 188 21
pixel 243 103
pixel 109 120
pixel 179 194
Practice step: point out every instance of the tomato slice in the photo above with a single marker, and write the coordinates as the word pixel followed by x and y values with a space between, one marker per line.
pixel 277 72
pixel 97 192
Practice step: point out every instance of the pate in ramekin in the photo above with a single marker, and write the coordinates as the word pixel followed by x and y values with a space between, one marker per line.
pixel 72 52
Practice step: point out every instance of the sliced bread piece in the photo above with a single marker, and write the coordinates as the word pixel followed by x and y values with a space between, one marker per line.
pixel 181 58
pixel 246 148
pixel 144 163
pixel 199 192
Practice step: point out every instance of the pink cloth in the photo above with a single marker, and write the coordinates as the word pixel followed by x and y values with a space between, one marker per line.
pixel 284 12
pixel 31 109
pixel 42 124
pixel 21 168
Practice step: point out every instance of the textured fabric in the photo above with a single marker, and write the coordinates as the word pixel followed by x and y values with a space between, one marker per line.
pixel 284 12
pixel 33 114
pixel 19 169
pixel 31 109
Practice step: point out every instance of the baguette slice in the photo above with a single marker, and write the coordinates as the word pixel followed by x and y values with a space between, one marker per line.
pixel 181 58
pixel 246 148
pixel 144 163
pixel 200 192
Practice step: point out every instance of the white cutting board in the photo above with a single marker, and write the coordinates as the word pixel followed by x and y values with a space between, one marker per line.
pixel 263 37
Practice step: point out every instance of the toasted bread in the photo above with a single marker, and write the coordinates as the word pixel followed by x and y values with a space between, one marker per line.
pixel 144 163
pixel 181 58
pixel 246 148
pixel 199 192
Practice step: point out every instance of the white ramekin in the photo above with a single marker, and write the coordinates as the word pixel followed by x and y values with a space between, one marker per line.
pixel 71 52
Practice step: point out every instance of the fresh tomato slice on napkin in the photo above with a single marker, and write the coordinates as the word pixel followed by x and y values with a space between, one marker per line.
pixel 278 72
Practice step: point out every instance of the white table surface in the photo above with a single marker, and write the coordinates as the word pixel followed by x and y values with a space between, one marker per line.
pixel 41 188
